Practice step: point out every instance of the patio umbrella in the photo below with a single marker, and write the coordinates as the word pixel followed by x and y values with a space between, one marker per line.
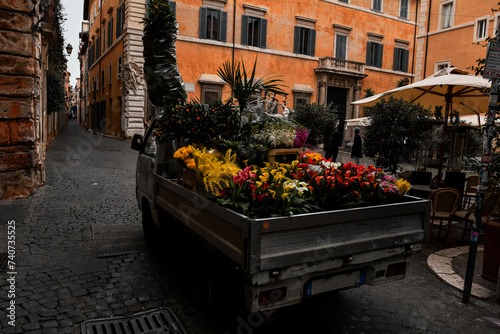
pixel 453 88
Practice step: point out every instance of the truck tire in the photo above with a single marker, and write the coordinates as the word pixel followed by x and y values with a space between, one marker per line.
pixel 199 277
pixel 151 231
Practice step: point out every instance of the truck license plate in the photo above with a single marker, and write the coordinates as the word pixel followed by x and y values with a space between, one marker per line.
pixel 335 282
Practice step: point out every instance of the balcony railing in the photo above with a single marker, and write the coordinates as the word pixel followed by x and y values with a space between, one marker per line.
pixel 341 66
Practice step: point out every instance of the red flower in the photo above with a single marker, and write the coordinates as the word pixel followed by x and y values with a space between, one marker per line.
pixel 261 197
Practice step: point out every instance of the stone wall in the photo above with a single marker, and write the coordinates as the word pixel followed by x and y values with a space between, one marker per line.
pixel 21 166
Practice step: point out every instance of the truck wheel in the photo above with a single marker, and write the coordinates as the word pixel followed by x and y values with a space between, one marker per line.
pixel 149 228
pixel 200 279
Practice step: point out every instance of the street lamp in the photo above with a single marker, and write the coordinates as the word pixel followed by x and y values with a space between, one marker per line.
pixel 69 48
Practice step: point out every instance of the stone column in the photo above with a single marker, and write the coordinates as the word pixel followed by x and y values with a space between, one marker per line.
pixel 134 101
pixel 21 165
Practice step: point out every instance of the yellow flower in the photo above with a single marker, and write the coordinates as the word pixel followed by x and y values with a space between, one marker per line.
pixel 403 186
pixel 284 195
pixel 264 177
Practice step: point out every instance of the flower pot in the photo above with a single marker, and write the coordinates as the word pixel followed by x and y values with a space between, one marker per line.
pixel 491 255
pixel 189 179
pixel 272 154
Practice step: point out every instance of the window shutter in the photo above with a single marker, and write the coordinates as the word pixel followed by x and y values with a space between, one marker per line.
pixel 311 48
pixel 395 61
pixel 203 22
pixel 341 47
pixel 369 53
pixel 263 33
pixel 223 26
pixel 244 30
pixel 380 54
pixel 296 40
pixel 118 21
pixel 406 57
pixel 172 5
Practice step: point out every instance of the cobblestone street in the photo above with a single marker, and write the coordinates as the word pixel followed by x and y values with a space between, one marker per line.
pixel 60 283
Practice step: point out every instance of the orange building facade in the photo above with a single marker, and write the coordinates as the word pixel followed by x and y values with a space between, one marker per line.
pixel 113 80
pixel 325 51
pixel 453 33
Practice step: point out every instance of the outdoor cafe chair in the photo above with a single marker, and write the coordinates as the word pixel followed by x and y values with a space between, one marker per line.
pixel 490 204
pixel 471 183
pixel 445 202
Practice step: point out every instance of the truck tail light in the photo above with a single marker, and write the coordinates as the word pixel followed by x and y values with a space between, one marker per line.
pixel 272 296
pixel 396 269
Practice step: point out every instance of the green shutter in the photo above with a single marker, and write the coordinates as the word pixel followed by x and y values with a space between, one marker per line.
pixel 263 33
pixel 369 53
pixel 311 48
pixel 406 57
pixel 244 30
pixel 395 61
pixel 172 5
pixel 380 55
pixel 296 40
pixel 223 26
pixel 203 22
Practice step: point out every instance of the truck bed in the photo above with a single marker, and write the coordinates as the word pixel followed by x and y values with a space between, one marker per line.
pixel 257 245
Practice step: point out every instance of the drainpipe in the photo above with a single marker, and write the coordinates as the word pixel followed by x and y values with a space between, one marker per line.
pixel 427 36
pixel 414 44
pixel 234 37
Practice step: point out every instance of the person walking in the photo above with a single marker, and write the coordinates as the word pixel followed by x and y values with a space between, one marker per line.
pixel 332 146
pixel 357 147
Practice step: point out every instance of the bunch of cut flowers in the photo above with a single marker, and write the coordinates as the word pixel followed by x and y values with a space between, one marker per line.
pixel 213 169
pixel 289 189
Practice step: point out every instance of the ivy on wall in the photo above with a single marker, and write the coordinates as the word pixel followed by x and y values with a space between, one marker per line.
pixel 56 72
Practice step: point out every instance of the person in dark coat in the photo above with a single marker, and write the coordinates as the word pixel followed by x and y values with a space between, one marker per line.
pixel 332 146
pixel 357 147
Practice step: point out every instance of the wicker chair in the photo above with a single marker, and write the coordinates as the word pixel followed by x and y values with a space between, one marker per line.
pixel 469 192
pixel 445 202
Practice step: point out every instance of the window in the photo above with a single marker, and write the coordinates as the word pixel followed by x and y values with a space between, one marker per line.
pixel 210 93
pixel 441 65
pixel 119 68
pixel 150 146
pixel 97 47
pixel 481 30
pixel 172 5
pixel 213 24
pixel 119 20
pixel 345 1
pixel 110 31
pixel 403 9
pixel 103 39
pixel 102 79
pixel 401 59
pixel 253 31
pixel 374 54
pixel 447 15
pixel 300 99
pixel 110 71
pixel 304 41
pixel 377 5
pixel 341 47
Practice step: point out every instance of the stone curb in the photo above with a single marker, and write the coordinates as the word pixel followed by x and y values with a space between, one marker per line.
pixel 440 264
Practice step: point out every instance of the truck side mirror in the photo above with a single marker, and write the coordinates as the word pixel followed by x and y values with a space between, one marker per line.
pixel 137 142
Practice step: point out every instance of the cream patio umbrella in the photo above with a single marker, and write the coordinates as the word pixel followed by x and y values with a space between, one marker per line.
pixel 452 88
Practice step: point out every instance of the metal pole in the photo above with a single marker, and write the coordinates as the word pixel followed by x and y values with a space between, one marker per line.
pixel 481 191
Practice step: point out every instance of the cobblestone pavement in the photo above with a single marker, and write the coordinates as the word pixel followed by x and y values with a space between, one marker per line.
pixel 59 283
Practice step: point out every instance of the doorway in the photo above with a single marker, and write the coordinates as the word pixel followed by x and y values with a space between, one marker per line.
pixel 338 98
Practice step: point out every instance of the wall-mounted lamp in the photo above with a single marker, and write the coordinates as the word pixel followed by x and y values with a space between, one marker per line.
pixel 406 81
pixel 69 48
